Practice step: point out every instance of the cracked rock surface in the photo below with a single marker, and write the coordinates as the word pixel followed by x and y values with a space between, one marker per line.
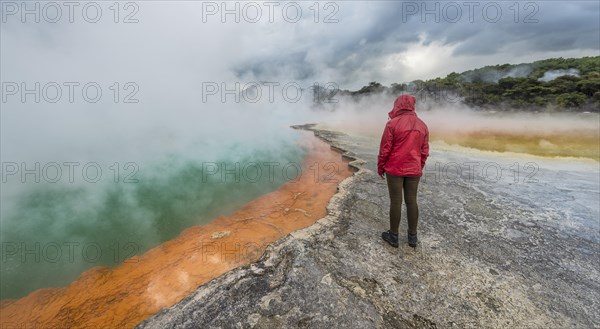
pixel 492 254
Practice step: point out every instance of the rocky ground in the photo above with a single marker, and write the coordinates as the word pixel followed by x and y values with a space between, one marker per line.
pixel 493 253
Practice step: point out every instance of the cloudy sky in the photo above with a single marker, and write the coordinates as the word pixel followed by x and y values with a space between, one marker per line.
pixel 346 42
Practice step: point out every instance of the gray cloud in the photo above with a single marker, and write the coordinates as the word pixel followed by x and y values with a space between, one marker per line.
pixel 389 28
pixel 373 40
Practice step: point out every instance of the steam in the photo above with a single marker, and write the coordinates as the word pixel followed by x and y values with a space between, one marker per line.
pixel 553 74
pixel 493 75
pixel 368 116
pixel 168 135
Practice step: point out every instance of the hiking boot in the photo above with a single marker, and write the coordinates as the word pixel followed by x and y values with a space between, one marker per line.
pixel 412 240
pixel 390 238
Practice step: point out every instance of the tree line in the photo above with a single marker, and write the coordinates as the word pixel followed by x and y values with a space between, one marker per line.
pixel 545 85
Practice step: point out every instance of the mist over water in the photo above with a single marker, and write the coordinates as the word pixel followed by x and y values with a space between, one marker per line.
pixel 161 153
pixel 131 176
pixel 157 178
pixel 543 134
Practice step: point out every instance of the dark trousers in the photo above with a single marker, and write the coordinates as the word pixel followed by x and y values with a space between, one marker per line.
pixel 396 185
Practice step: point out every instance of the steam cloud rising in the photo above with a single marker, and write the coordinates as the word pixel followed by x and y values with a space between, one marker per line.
pixel 553 74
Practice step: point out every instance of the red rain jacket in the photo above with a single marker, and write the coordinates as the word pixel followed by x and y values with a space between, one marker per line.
pixel 405 142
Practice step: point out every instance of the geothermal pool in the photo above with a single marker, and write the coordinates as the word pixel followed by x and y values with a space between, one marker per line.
pixel 142 285
pixel 59 220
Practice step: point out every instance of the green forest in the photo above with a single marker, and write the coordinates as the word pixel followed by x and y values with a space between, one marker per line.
pixel 545 85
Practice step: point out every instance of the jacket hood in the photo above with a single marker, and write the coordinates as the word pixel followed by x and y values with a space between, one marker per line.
pixel 402 103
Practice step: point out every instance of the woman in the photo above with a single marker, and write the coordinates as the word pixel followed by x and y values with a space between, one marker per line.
pixel 402 154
